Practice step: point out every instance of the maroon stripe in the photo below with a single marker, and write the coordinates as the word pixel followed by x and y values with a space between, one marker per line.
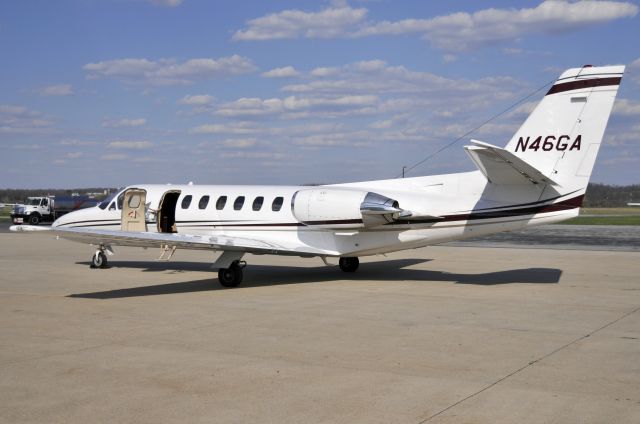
pixel 335 221
pixel 572 203
pixel 582 84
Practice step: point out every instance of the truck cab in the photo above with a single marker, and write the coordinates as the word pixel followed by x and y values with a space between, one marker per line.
pixel 33 211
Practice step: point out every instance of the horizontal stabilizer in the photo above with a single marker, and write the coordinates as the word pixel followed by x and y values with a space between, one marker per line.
pixel 503 167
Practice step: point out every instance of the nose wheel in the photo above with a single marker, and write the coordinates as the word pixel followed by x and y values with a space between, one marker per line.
pixel 349 264
pixel 232 276
pixel 99 260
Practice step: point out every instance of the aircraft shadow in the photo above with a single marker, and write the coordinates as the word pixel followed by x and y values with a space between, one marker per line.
pixel 264 275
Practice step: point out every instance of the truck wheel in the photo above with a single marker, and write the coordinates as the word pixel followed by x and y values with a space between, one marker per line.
pixel 34 219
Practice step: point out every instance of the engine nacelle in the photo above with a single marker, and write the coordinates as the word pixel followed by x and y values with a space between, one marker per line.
pixel 343 208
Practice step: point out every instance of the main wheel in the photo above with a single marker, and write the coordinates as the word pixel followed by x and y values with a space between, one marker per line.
pixel 99 260
pixel 230 277
pixel 34 219
pixel 349 264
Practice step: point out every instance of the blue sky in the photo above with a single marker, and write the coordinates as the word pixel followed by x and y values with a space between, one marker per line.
pixel 111 93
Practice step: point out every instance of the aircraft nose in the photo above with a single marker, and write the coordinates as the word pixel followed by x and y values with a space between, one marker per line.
pixel 64 219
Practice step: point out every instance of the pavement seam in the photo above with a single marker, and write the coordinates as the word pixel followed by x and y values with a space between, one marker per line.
pixel 531 363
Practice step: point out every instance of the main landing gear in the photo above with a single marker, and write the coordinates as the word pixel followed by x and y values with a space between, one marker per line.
pixel 232 276
pixel 349 264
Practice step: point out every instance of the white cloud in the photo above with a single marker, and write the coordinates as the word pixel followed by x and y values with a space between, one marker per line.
pixel 168 71
pixel 114 156
pixel 167 3
pixel 73 142
pixel 633 71
pixel 22 120
pixel 454 32
pixel 130 145
pixel 233 128
pixel 236 143
pixel 57 90
pixel 253 155
pixel 323 72
pixel 378 77
pixel 328 23
pixel 286 72
pixel 351 138
pixel 246 107
pixel 196 100
pixel 73 155
pixel 461 31
pixel 123 123
pixel 626 107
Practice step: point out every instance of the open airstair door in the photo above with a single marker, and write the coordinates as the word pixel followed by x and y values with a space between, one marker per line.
pixel 167 212
pixel 133 210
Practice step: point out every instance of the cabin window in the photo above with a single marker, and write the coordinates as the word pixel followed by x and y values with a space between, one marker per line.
pixel 222 200
pixel 120 200
pixel 134 201
pixel 45 202
pixel 186 201
pixel 237 205
pixel 204 201
pixel 257 203
pixel 277 204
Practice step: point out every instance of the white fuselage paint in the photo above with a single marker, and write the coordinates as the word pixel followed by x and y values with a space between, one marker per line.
pixel 450 197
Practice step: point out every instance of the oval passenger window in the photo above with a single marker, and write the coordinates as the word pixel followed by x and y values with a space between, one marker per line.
pixel 186 202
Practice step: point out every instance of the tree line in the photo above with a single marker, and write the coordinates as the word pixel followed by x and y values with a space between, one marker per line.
pixel 611 196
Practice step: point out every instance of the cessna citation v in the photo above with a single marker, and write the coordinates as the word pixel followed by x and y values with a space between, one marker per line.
pixel 540 177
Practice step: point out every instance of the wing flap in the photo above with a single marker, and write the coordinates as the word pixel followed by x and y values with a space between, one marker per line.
pixel 182 241
pixel 501 166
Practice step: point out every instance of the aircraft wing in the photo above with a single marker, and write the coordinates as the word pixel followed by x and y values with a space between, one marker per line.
pixel 182 241
pixel 500 166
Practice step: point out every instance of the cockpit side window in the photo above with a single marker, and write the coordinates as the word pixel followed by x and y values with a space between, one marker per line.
pixel 107 202
pixel 120 200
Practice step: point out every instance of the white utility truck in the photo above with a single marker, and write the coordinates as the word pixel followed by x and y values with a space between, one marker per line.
pixel 48 208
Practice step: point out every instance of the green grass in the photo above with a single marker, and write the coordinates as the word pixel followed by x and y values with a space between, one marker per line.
pixel 604 220
pixel 4 214
pixel 610 211
pixel 607 216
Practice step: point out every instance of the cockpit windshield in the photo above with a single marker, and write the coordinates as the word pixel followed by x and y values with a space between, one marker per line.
pixel 105 202
pixel 33 201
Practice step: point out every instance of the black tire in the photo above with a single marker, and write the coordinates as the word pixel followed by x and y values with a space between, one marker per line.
pixel 349 264
pixel 230 277
pixel 99 260
pixel 34 219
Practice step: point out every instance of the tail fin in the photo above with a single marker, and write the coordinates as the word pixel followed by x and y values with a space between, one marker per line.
pixel 562 136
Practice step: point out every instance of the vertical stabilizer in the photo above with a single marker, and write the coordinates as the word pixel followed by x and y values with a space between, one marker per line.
pixel 562 136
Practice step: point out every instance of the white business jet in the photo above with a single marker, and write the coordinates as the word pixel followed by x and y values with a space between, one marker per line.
pixel 540 177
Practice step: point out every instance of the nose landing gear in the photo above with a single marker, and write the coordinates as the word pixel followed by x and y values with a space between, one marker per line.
pixel 99 259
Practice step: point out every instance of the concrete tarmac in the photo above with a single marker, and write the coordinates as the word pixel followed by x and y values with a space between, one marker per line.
pixel 434 335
